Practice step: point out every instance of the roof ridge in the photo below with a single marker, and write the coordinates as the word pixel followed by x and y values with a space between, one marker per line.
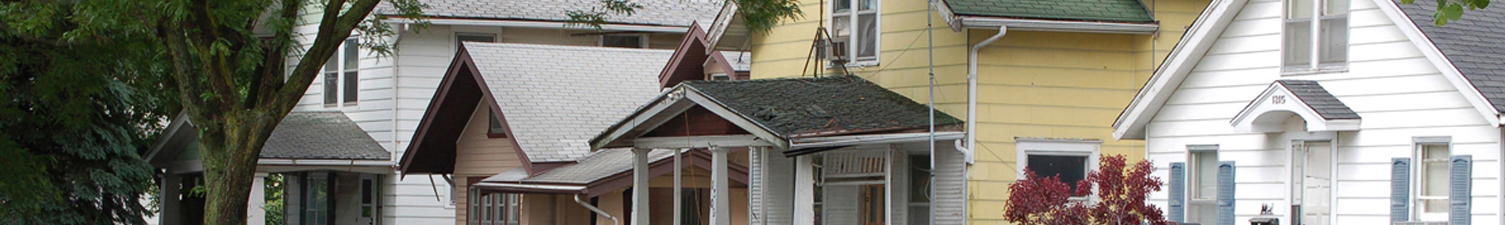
pixel 566 47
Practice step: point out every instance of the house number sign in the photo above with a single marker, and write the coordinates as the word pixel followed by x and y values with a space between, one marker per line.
pixel 1278 99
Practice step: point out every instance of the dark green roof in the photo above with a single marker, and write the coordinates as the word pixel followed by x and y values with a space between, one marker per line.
pixel 1082 10
pixel 795 107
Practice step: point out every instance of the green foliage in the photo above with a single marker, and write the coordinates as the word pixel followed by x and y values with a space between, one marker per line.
pixel 82 101
pixel 274 202
pixel 757 15
pixel 1452 10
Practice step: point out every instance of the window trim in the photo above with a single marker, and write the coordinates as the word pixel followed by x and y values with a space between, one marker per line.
pixel 1317 21
pixel 1193 178
pixel 642 40
pixel 852 23
pixel 1091 148
pixel 1418 151
pixel 494 37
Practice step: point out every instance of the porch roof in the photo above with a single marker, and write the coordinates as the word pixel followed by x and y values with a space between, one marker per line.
pixel 601 172
pixel 777 111
pixel 315 135
pixel 1307 99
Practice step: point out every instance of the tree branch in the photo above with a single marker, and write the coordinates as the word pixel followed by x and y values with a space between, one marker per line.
pixel 333 31
pixel 275 62
pixel 214 61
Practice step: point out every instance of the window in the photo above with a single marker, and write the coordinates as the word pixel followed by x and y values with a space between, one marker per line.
pixel 493 208
pixel 1069 158
pixel 1331 35
pixel 919 189
pixel 1432 188
pixel 1203 174
pixel 854 33
pixel 496 130
pixel 473 37
pixel 317 199
pixel 349 67
pixel 624 40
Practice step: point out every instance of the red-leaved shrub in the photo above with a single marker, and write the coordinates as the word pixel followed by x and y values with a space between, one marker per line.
pixel 1120 200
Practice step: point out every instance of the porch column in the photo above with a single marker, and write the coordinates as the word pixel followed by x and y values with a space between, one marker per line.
pixel 640 186
pixel 169 199
pixel 678 189
pixel 721 198
pixel 256 214
pixel 804 191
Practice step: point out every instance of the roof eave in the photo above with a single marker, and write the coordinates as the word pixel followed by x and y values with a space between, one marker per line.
pixel 986 22
pixel 541 24
pixel 1182 58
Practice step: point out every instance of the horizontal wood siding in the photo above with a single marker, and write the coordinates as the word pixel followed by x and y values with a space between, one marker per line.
pixel 1396 90
pixel 479 156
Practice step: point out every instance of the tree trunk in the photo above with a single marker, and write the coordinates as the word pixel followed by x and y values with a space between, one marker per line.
pixel 230 151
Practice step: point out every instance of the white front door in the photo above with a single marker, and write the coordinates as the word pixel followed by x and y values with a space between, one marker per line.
pixel 1312 170
pixel 370 199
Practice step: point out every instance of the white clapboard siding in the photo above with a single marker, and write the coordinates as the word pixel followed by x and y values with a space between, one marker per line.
pixel 1395 88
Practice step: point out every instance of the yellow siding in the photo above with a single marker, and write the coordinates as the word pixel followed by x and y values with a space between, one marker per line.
pixel 1030 84
pixel 479 156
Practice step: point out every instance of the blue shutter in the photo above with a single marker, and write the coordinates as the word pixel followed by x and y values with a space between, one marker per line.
pixel 1400 189
pixel 1225 193
pixel 1459 195
pixel 1177 202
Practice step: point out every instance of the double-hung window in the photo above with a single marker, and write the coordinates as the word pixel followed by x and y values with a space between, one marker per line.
pixel 1432 181
pixel 1316 35
pixel 1204 175
pixel 1071 159
pixel 345 63
pixel 854 32
pixel 493 208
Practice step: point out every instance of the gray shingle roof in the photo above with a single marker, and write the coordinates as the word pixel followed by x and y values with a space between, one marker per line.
pixel 555 98
pixel 794 107
pixel 1319 99
pixel 1083 10
pixel 600 164
pixel 1475 44
pixel 740 61
pixel 321 135
pixel 654 12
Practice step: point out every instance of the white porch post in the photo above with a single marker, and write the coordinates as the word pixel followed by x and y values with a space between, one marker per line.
pixel 640 186
pixel 256 214
pixel 169 199
pixel 721 201
pixel 678 189
pixel 804 191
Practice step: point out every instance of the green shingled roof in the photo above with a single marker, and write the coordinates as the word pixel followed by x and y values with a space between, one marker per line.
pixel 1084 10
pixel 829 105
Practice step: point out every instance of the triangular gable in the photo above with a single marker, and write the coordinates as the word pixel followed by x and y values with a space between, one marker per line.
pixel 1304 98
pixel 1206 30
pixel 432 148
pixel 674 103
pixel 686 64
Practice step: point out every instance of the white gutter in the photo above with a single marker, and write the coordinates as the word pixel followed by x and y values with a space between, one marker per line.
pixel 871 139
pixel 971 141
pixel 494 185
pixel 322 162
pixel 544 24
pixel 614 220
pixel 1058 26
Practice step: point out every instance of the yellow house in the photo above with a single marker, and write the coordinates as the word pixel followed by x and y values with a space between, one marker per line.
pixel 1051 76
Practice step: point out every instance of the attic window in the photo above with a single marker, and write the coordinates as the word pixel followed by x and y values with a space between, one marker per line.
pixel 496 130
pixel 624 40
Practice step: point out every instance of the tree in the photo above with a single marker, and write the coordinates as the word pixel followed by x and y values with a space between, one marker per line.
pixel 78 104
pixel 1122 191
pixel 1452 10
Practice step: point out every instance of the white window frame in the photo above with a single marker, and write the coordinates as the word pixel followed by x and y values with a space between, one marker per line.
pixel 494 37
pixel 1091 148
pixel 496 208
pixel 852 39
pixel 1195 170
pixel 1418 174
pixel 1314 62
pixel 341 99
pixel 642 39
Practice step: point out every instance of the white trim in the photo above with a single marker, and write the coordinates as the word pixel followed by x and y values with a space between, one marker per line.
pixel 719 25
pixel 853 26
pixel 1091 148
pixel 1204 31
pixel 1057 25
pixel 746 140
pixel 813 142
pixel 1278 98
pixel 1417 164
pixel 1449 71
pixel 322 162
pixel 484 184
pixel 544 24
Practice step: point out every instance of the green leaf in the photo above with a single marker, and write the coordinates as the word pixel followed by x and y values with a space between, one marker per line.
pixel 1454 11
pixel 1407 1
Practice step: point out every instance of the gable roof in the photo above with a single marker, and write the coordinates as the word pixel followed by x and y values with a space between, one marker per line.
pixel 1473 44
pixel 555 98
pixel 654 12
pixel 1303 98
pixel 321 135
pixel 1080 10
pixel 1319 99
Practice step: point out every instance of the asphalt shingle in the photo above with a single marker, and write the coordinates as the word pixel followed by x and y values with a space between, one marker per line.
pixel 1319 99
pixel 1081 10
pixel 1474 44
pixel 321 135
pixel 796 107
pixel 600 164
pixel 555 98
pixel 654 12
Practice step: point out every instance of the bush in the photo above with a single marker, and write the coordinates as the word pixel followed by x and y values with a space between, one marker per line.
pixel 1122 191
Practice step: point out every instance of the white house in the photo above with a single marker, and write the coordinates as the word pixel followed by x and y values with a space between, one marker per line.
pixel 1329 112
pixel 385 98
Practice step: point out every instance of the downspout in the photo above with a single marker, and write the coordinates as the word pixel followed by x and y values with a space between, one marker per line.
pixel 614 220
pixel 968 151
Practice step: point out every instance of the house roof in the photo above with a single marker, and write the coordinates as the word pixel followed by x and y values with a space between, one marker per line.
pixel 740 61
pixel 797 107
pixel 554 98
pixel 321 135
pixel 654 12
pixel 1473 44
pixel 601 172
pixel 1319 99
pixel 1081 10
pixel 598 165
